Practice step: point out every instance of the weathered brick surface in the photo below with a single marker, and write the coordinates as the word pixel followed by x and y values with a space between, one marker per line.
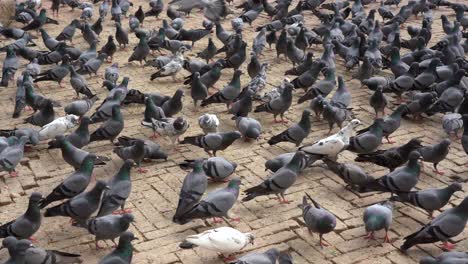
pixel 154 195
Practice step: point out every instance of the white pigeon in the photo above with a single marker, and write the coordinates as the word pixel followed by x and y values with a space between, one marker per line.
pixel 170 127
pixel 208 123
pixel 334 144
pixel 224 240
pixel 58 127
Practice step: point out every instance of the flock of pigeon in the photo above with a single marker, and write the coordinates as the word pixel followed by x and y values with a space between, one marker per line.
pixel 426 80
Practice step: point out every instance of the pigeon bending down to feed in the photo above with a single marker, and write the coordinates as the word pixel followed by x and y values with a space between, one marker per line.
pixel 209 123
pixel 134 152
pixel 377 217
pixel 216 168
pixel 317 219
pixel 213 141
pixel 224 240
pixel 109 227
pixel 170 127
pixel 351 174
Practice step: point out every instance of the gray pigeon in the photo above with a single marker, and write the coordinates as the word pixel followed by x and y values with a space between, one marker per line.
pixel 278 182
pixel 216 204
pixel 32 134
pixel 79 84
pixel 378 101
pixel 121 35
pixel 249 127
pixel 11 156
pixel 44 116
pixel 402 179
pixel 10 66
pixel 229 92
pixel 119 189
pixel 448 224
pixel 80 107
pixel 74 184
pixel 17 250
pixel 279 105
pixel 73 155
pixel 152 149
pixel 351 174
pixel 110 129
pixel 268 257
pixel 429 199
pixel 217 168
pixel 193 188
pixel 317 219
pixel 152 111
pixel 109 227
pixel 135 152
pixel 213 141
pixel 342 97
pixel 377 217
pixel 334 115
pixel 259 42
pixel 296 133
pixel 198 90
pixel 123 253
pixel 26 225
pixel 37 255
pixel 279 161
pixel 141 51
pixel 93 65
pixel 81 207
pixel 435 153
pixel 369 140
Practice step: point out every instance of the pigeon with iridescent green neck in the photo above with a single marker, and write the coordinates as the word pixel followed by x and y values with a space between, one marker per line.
pixel 123 253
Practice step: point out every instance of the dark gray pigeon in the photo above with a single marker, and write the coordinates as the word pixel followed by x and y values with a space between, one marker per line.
pixel 193 188
pixel 93 65
pixel 80 107
pixel 317 219
pixel 448 224
pixel 11 156
pixel 74 184
pixel 351 174
pixel 217 168
pixel 135 152
pixel 152 149
pixel 213 141
pixel 378 101
pixel 376 217
pixel 435 153
pixel 429 199
pixel 119 189
pixel 121 35
pixel 123 253
pixel 285 258
pixel 27 224
pixel 79 84
pixel 109 227
pixel 216 204
pixel 296 133
pixel 268 257
pixel 73 155
pixel 278 182
pixel 110 129
pixel 369 140
pixel 278 105
pixel 10 66
pixel 81 207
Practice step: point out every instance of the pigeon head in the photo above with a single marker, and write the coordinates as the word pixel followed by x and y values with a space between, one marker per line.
pixel 455 186
pixel 72 118
pixel 234 183
pixel 140 143
pixel 129 163
pixel 128 218
pixel 414 156
pixel 180 123
pixel 35 197
pixel 127 237
pixel 445 143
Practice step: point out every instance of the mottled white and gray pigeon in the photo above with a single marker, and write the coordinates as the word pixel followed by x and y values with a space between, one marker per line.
pixel 172 128
pixel 58 127
pixel 109 227
pixel 317 219
pixel 377 217
pixel 452 123
pixel 209 123
pixel 279 181
pixel 429 199
pixel 27 224
pixel 224 240
pixel 118 190
pixel 448 224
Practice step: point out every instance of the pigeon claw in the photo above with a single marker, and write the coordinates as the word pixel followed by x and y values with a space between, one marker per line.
pixel 448 246
pixel 13 174
pixel 141 170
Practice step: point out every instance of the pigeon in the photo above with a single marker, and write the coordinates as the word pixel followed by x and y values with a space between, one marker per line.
pixel 279 105
pixel 446 258
pixel 429 199
pixel 118 190
pixel 152 149
pixel 279 161
pixel 259 42
pixel 249 127
pixel 81 207
pixel 334 115
pixel 342 97
pixel 378 101
pixel 111 128
pixel 268 257
pixel 109 49
pixel 285 258
pixel 121 35
pixel 11 156
pixel 225 240
pixel 209 52
pixel 216 168
pixel 402 179
pixel 27 224
pixel 74 184
pixel 214 141
pixel 296 133
pixel 10 66
pixel 37 22
pixel 173 128
pixel 352 175
pixel 141 51
pixel 367 141
pixel 331 146
pixel 198 90
pixel 73 155
pixel 216 204
pixel 278 182
pixel 17 250
pixel 157 7
pixel 93 65
pixel 452 123
pixel 317 219
pixel 58 127
pixel 448 224
pixel 376 217
pixel 123 253
pixel 393 157
pixel 435 153
pixel 211 10
pixel 37 255
pixel 80 107
pixel 253 68
pixel 31 134
pixel 135 152
pixel 109 227
pixel 193 188
pixel 69 31
pixel 209 123
pixel 79 84
pixel 56 74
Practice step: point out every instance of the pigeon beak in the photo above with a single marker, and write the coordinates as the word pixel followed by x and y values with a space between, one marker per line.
pixel 107 187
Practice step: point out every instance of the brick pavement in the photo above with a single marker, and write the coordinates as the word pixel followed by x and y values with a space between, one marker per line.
pixel 154 195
